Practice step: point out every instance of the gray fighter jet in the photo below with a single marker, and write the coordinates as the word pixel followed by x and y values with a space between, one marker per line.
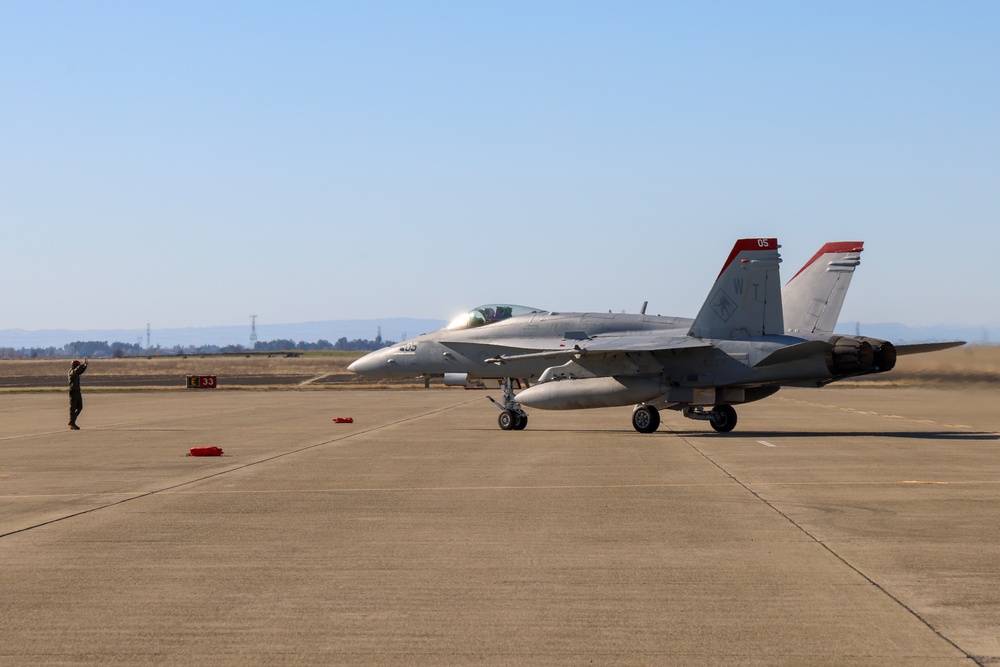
pixel 743 346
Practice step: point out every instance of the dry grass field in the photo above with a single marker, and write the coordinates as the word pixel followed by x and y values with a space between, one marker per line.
pixel 973 363
pixel 171 371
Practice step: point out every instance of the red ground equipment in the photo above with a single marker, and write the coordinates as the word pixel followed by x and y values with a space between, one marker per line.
pixel 205 451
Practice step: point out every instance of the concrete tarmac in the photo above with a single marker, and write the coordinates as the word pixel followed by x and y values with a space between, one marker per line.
pixel 833 527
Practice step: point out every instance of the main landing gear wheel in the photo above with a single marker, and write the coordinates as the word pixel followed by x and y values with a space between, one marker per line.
pixel 645 419
pixel 723 418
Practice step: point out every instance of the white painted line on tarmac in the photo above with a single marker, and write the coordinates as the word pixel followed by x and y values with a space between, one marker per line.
pixel 766 443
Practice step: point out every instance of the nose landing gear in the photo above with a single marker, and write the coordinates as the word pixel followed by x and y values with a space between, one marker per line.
pixel 512 416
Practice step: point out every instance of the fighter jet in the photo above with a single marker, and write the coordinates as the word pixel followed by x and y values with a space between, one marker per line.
pixel 741 347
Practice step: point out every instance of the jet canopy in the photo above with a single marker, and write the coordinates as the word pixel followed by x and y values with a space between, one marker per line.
pixel 488 314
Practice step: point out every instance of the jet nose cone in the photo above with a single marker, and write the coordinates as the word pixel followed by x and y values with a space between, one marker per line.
pixel 358 365
pixel 372 363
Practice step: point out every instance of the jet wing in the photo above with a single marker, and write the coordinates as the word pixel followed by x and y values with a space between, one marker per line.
pixel 508 349
pixel 601 345
pixel 641 341
pixel 526 344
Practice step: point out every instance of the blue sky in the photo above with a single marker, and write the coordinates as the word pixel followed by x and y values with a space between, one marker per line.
pixel 192 163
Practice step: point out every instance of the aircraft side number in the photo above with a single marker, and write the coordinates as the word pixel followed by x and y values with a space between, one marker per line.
pixel 763 243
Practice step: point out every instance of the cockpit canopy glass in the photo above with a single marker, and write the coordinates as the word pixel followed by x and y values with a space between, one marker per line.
pixel 488 314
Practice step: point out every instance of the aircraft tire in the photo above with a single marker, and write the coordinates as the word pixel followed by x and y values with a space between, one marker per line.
pixel 645 419
pixel 723 418
pixel 522 423
pixel 508 420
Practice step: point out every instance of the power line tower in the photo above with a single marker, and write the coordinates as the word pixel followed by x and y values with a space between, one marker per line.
pixel 253 331
pixel 148 337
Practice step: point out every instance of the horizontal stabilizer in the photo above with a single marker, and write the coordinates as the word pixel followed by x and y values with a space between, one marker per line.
pixel 921 348
pixel 794 353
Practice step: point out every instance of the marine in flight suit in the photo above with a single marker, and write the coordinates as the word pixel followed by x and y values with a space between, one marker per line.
pixel 75 395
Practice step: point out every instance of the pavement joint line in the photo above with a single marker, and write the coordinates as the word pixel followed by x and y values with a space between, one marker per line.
pixel 117 425
pixel 32 435
pixel 213 413
pixel 219 473
pixel 526 487
pixel 873 413
pixel 538 487
pixel 389 489
pixel 306 383
pixel 832 552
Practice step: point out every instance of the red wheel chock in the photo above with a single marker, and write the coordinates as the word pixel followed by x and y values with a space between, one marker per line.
pixel 205 451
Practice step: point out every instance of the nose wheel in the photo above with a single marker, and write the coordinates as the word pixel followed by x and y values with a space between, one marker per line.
pixel 512 416
pixel 511 421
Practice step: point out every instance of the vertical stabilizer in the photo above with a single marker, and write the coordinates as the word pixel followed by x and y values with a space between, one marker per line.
pixel 814 296
pixel 746 298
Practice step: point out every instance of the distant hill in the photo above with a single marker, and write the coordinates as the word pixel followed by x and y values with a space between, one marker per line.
pixel 901 333
pixel 392 329
pixel 399 328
